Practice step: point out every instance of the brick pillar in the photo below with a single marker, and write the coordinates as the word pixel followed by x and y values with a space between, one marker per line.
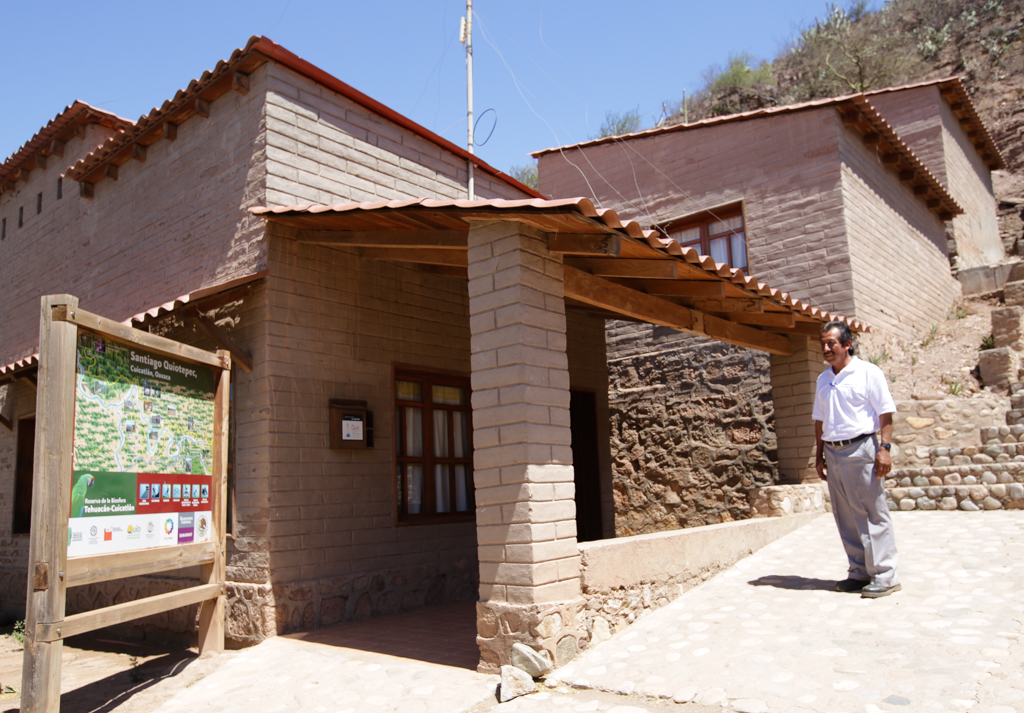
pixel 793 382
pixel 525 507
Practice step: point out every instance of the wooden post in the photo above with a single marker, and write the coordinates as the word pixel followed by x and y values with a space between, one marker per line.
pixel 51 498
pixel 211 612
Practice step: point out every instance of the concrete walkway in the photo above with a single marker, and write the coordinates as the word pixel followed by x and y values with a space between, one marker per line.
pixel 766 635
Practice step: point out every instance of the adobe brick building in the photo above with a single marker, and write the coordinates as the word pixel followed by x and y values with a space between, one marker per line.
pixel 274 211
pixel 844 202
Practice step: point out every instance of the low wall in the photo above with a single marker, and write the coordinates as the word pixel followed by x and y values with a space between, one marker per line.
pixel 984 279
pixel 623 577
pixel 919 426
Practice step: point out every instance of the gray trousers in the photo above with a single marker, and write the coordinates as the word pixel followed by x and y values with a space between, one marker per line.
pixel 858 505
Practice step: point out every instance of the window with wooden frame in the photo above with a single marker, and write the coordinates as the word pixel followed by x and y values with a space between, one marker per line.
pixel 718 232
pixel 434 446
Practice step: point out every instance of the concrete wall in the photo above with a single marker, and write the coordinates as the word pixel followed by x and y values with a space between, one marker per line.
pixel 901 278
pixel 925 121
pixel 785 169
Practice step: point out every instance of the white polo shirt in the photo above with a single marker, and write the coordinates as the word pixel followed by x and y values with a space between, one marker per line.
pixel 849 403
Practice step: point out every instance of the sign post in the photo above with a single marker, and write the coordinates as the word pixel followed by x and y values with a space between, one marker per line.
pixel 130 466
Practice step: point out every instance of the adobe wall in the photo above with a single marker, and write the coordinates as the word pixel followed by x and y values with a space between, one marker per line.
pixel 693 432
pixel 924 120
pixel 901 276
pixel 166 226
pixel 785 169
pixel 323 148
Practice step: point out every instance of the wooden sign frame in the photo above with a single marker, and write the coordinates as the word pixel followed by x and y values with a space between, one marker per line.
pixel 49 569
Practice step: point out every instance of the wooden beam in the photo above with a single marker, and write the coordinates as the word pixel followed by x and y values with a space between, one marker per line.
pixel 23 174
pixel 134 336
pixel 920 190
pixel 202 108
pixel 224 340
pixel 110 171
pixel 585 244
pixel 687 288
pixel 57 148
pixel 890 159
pixel 765 319
pixel 424 256
pixel 170 131
pixel 851 117
pixel 934 202
pixel 86 189
pixel 6 423
pixel 386 238
pixel 966 120
pixel 40 160
pixel 946 215
pixel 872 138
pixel 907 176
pixel 127 611
pixel 139 152
pixel 618 299
pixel 666 269
pixel 727 304
pixel 240 82
pixel 102 568
pixel 29 378
pixel 80 131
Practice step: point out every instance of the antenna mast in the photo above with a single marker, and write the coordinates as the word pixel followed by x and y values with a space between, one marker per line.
pixel 466 32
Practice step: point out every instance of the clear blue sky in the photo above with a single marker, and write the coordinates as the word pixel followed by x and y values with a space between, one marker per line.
pixel 550 69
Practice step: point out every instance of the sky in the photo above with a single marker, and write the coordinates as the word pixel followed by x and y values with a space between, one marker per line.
pixel 546 72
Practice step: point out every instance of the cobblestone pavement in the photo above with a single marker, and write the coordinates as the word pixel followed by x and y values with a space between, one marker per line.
pixel 769 634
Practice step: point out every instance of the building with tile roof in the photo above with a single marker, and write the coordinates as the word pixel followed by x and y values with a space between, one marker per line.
pixel 322 239
pixel 857 203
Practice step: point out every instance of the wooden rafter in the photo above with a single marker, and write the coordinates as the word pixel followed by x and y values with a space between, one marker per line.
pixel 385 238
pixel 610 296
pixel 585 244
pixel 223 340
pixel 663 269
pixel 423 256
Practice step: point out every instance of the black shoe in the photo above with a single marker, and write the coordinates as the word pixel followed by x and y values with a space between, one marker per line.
pixel 852 585
pixel 874 591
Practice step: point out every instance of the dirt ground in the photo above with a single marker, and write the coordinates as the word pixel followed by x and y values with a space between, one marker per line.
pixel 940 362
pixel 100 675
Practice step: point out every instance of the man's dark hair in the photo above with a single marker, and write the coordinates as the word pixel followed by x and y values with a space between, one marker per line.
pixel 845 336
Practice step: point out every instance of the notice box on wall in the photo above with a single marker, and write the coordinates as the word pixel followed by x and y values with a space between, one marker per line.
pixel 351 424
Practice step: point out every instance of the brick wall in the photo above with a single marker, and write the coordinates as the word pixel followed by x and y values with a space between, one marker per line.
pixel 324 148
pixel 924 120
pixel 785 169
pixel 900 273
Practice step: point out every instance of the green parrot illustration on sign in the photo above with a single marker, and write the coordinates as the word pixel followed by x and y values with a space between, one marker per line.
pixel 78 494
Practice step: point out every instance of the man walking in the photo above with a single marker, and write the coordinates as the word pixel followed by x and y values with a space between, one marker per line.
pixel 853 428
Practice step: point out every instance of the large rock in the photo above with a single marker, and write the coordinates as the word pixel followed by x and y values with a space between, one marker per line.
pixel 536 663
pixel 998 367
pixel 514 683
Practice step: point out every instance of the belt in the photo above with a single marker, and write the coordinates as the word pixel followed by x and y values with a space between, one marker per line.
pixel 849 441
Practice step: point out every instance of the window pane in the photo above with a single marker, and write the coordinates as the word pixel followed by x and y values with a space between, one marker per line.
pixel 442 488
pixel 408 391
pixel 440 433
pixel 448 395
pixel 722 226
pixel 686 235
pixel 739 249
pixel 414 488
pixel 413 432
pixel 720 250
pixel 461 488
pixel 461 434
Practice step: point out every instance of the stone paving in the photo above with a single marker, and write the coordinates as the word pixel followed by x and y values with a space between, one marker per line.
pixel 767 635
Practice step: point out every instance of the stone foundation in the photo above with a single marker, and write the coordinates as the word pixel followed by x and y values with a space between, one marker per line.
pixel 555 627
pixel 920 426
pixel 784 500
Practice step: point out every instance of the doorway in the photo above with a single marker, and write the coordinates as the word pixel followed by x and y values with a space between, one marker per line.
pixel 586 464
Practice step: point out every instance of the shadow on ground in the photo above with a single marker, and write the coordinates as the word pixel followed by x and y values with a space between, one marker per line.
pixel 792 581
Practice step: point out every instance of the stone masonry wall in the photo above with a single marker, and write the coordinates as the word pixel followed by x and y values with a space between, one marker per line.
pixel 692 430
pixel 920 426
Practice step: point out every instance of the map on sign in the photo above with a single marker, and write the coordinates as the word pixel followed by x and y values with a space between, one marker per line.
pixel 143 449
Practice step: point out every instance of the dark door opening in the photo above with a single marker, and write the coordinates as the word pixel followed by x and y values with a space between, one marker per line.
pixel 586 464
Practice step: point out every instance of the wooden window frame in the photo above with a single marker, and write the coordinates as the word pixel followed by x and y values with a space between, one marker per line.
pixel 703 220
pixel 428 378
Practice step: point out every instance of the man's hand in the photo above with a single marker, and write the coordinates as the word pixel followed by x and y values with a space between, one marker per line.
pixel 819 463
pixel 883 463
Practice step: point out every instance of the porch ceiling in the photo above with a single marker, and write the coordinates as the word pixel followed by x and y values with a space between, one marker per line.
pixel 615 268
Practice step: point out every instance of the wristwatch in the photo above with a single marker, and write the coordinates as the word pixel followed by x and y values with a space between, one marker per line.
pixel 886 446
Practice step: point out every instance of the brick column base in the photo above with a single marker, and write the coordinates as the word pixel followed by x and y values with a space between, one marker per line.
pixel 556 627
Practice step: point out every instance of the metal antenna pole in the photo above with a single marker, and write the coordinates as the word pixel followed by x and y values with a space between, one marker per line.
pixel 469 92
